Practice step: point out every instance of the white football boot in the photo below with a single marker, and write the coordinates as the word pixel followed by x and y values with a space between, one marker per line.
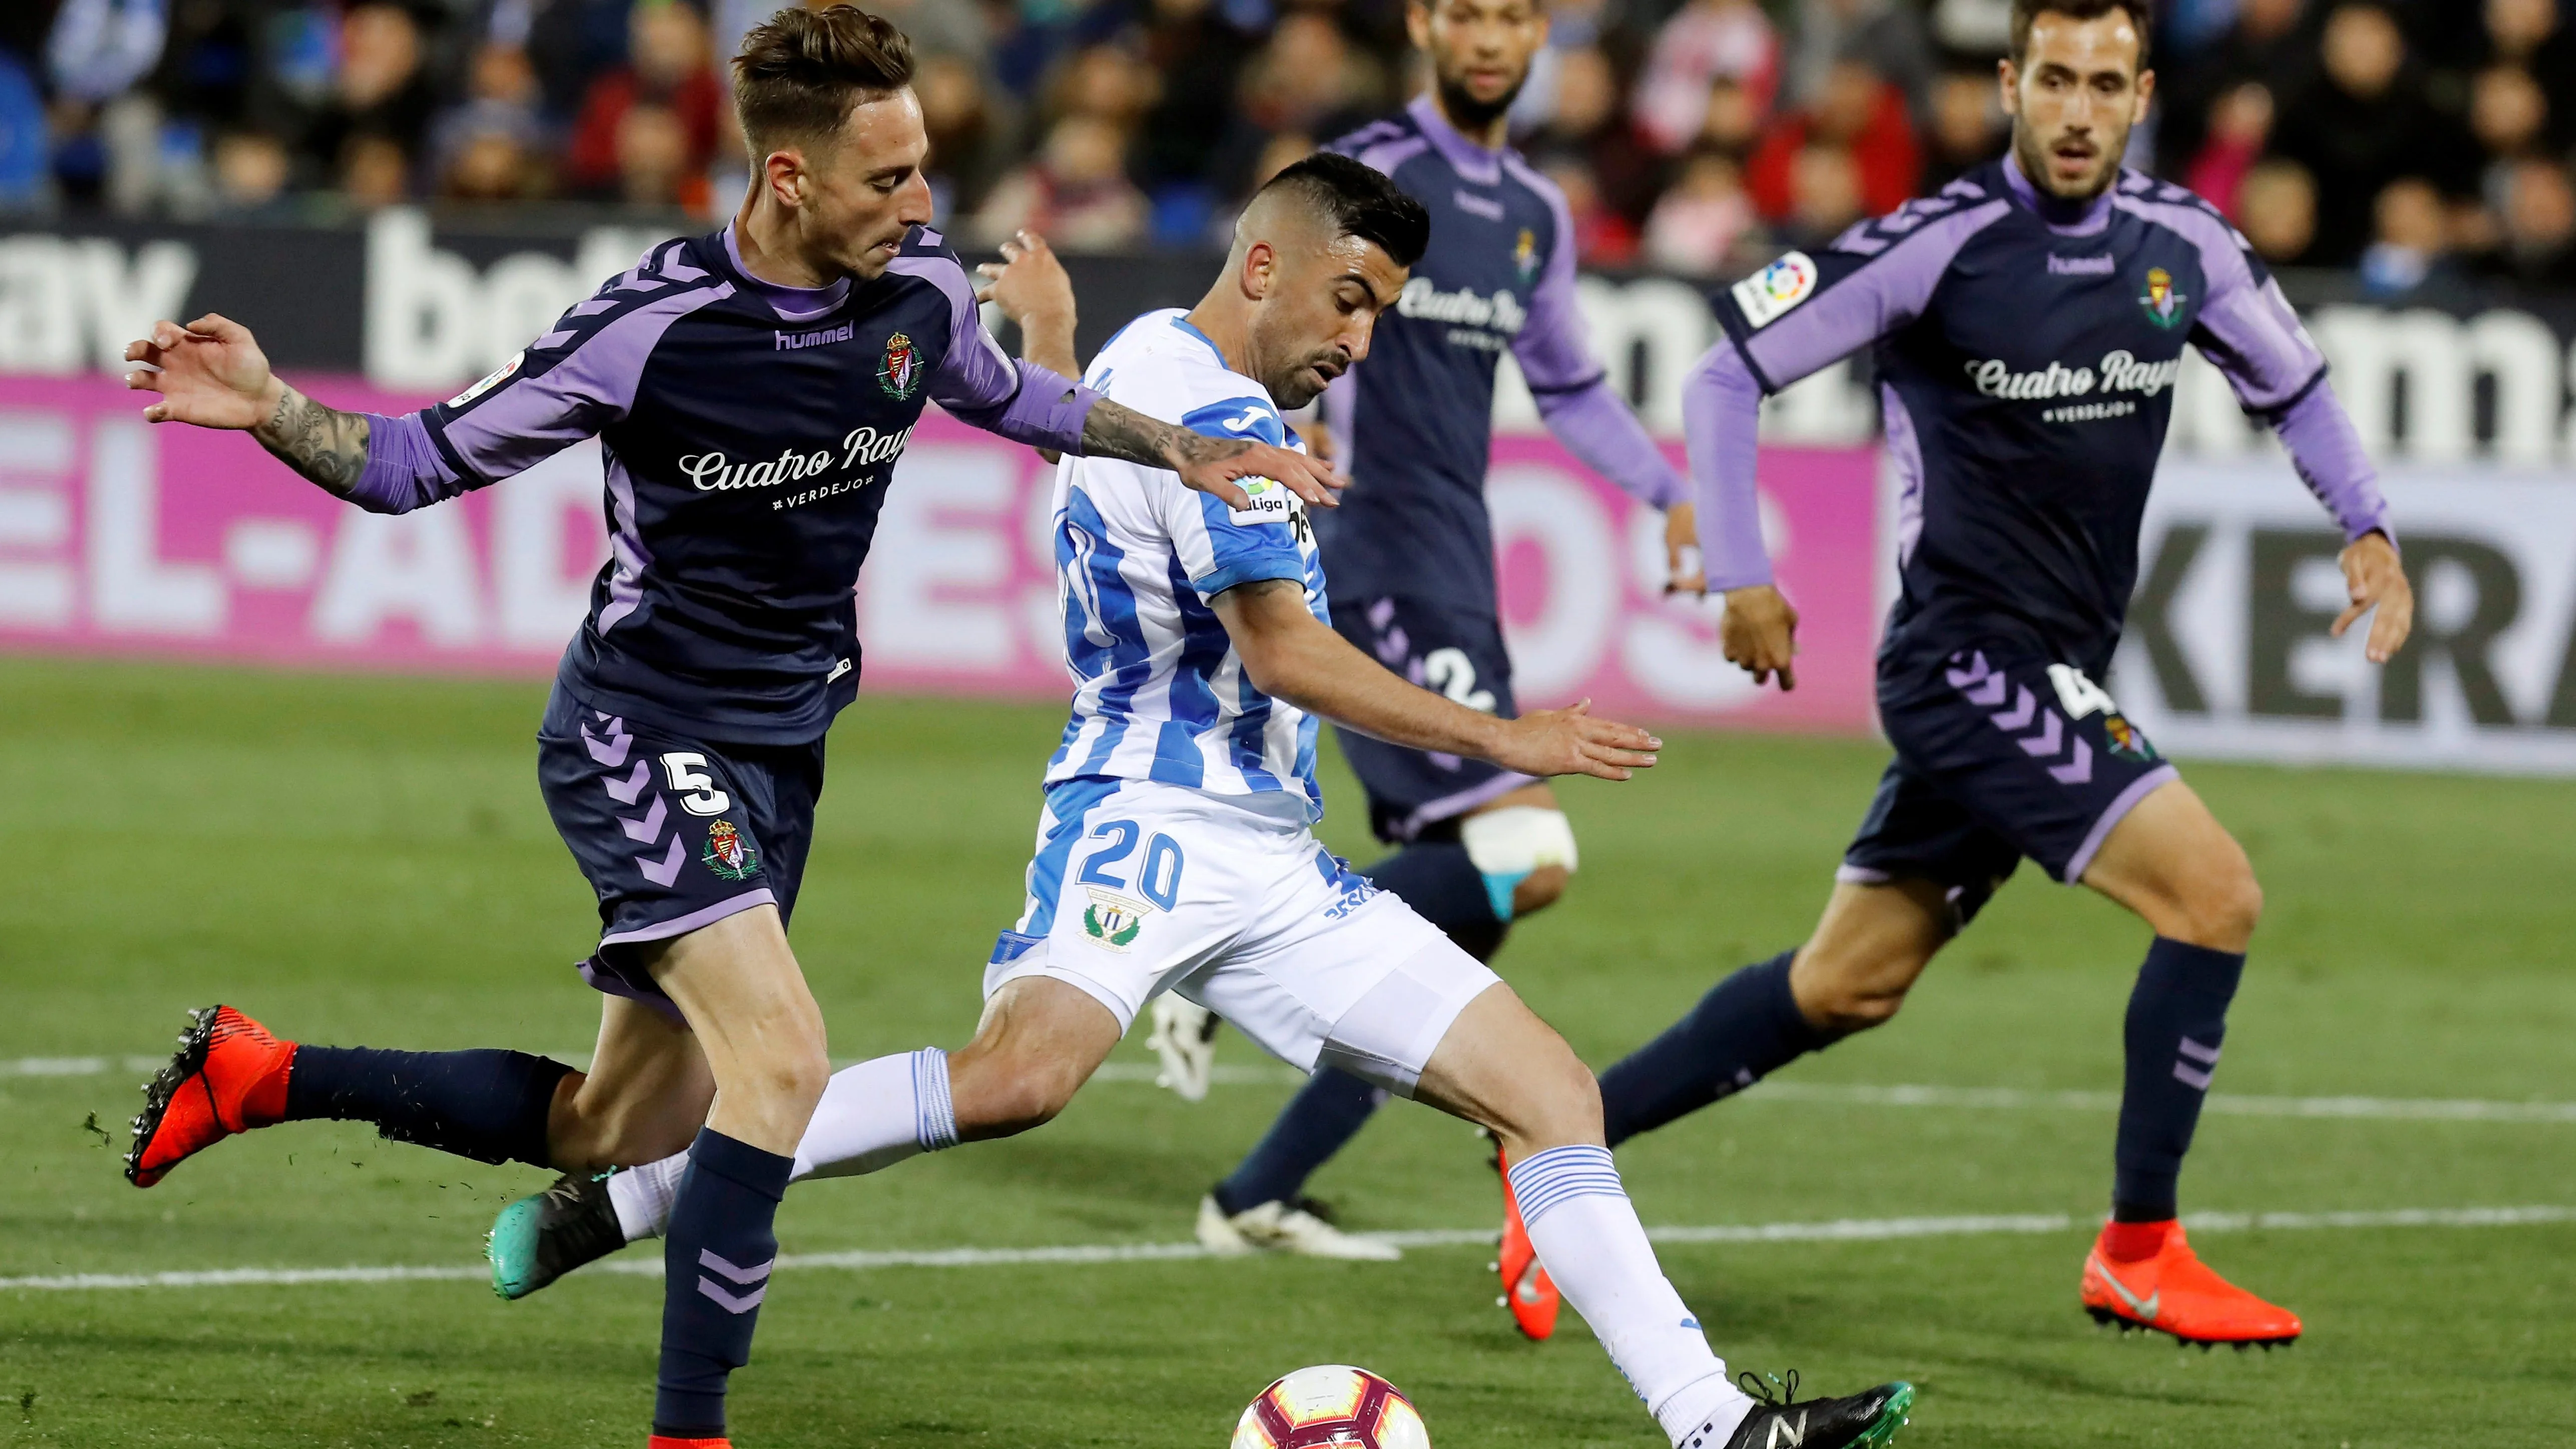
pixel 1279 1227
pixel 1184 1040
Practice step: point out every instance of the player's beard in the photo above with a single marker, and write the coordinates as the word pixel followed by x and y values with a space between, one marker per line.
pixel 2034 166
pixel 1470 114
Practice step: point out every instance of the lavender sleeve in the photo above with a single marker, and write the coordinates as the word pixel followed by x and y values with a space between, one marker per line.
pixel 1721 405
pixel 404 470
pixel 978 384
pixel 1597 426
pixel 1574 395
pixel 2327 451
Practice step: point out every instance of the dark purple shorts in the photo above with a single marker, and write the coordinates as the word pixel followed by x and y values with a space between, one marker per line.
pixel 673 833
pixel 1996 759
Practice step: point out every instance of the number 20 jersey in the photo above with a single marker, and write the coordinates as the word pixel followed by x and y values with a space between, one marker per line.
pixel 1159 693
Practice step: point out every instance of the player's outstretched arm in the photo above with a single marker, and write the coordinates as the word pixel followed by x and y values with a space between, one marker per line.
pixel 1208 465
pixel 1293 656
pixel 212 373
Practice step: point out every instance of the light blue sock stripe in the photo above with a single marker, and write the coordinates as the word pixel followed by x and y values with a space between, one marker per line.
pixel 1545 1179
pixel 934 1115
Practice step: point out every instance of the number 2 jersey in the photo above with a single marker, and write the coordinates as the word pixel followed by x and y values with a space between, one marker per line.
pixel 748 433
pixel 1159 693
pixel 2026 352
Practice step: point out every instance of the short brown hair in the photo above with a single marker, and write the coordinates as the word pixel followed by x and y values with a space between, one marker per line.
pixel 801 71
pixel 2141 15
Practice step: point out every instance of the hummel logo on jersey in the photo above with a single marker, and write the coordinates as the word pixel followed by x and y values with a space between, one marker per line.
pixel 792 341
pixel 2101 266
pixel 1424 301
pixel 713 472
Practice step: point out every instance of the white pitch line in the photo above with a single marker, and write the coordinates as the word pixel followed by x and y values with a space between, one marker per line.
pixel 1988 1099
pixel 1845 1230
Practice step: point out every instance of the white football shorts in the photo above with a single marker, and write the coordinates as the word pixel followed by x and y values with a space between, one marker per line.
pixel 1139 887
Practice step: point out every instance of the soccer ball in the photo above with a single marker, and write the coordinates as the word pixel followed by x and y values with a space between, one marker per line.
pixel 1331 1406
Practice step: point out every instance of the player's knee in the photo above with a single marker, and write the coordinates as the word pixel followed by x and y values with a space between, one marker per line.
pixel 1559 1103
pixel 1842 996
pixel 1525 852
pixel 2222 907
pixel 1005 1093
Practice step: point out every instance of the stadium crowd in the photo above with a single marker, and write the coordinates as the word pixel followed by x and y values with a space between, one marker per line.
pixel 1691 136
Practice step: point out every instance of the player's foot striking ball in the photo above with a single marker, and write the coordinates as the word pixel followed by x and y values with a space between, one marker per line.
pixel 228 1075
pixel 539 1239
pixel 2145 1276
pixel 1781 1420
pixel 2048 275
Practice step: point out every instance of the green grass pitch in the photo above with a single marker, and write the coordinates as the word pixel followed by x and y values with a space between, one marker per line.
pixel 367 861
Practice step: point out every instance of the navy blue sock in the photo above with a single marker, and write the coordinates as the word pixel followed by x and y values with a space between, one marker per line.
pixel 487 1105
pixel 1747 1027
pixel 1443 886
pixel 715 1271
pixel 2177 1018
pixel 1324 1114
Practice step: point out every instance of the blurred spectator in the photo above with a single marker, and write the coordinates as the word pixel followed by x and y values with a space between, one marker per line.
pixel 1587 126
pixel 1107 81
pixel 1200 58
pixel 1076 193
pixel 2508 112
pixel 252 170
pixel 655 164
pixel 1887 35
pixel 2265 47
pixel 970 144
pixel 489 147
pixel 2276 208
pixel 100 47
pixel 1705 41
pixel 1968 126
pixel 1602 237
pixel 1308 80
pixel 572 43
pixel 1973 29
pixel 667 66
pixel 1734 119
pixel 1827 192
pixel 2240 126
pixel 375 171
pixel 380 94
pixel 2538 218
pixel 2362 120
pixel 2411 238
pixel 1696 225
pixel 1858 117
pixel 2527 33
pixel 24 138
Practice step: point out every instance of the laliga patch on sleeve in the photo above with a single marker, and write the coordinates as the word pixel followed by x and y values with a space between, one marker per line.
pixel 498 376
pixel 1768 293
pixel 1271 503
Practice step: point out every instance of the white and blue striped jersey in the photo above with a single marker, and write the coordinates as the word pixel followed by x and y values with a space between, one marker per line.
pixel 1159 693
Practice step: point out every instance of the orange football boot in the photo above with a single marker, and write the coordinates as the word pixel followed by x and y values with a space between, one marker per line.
pixel 2172 1291
pixel 228 1076
pixel 1527 1290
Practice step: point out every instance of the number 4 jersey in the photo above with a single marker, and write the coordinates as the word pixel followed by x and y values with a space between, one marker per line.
pixel 1159 693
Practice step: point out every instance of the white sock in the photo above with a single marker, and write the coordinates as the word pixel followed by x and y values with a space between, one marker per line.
pixel 1588 1238
pixel 872 1115
pixel 643 1196
pixel 878 1113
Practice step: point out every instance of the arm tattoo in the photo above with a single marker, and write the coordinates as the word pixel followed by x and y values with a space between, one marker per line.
pixel 324 444
pixel 1112 431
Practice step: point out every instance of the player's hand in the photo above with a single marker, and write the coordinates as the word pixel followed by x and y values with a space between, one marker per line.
pixel 1572 741
pixel 2374 579
pixel 1211 465
pixel 1760 634
pixel 1028 284
pixel 210 373
pixel 1681 551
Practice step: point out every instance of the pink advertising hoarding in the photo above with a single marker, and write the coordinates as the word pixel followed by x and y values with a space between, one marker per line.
pixel 117 537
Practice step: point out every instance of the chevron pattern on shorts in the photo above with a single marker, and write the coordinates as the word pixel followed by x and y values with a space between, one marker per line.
pixel 1986 687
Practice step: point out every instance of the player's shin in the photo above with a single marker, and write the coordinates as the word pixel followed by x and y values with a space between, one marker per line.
pixel 2177 1019
pixel 1747 1027
pixel 716 1267
pixel 491 1106
pixel 1587 1234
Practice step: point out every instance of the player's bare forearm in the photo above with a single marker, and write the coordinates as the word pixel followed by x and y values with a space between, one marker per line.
pixel 1114 431
pixel 326 445
pixel 1293 656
